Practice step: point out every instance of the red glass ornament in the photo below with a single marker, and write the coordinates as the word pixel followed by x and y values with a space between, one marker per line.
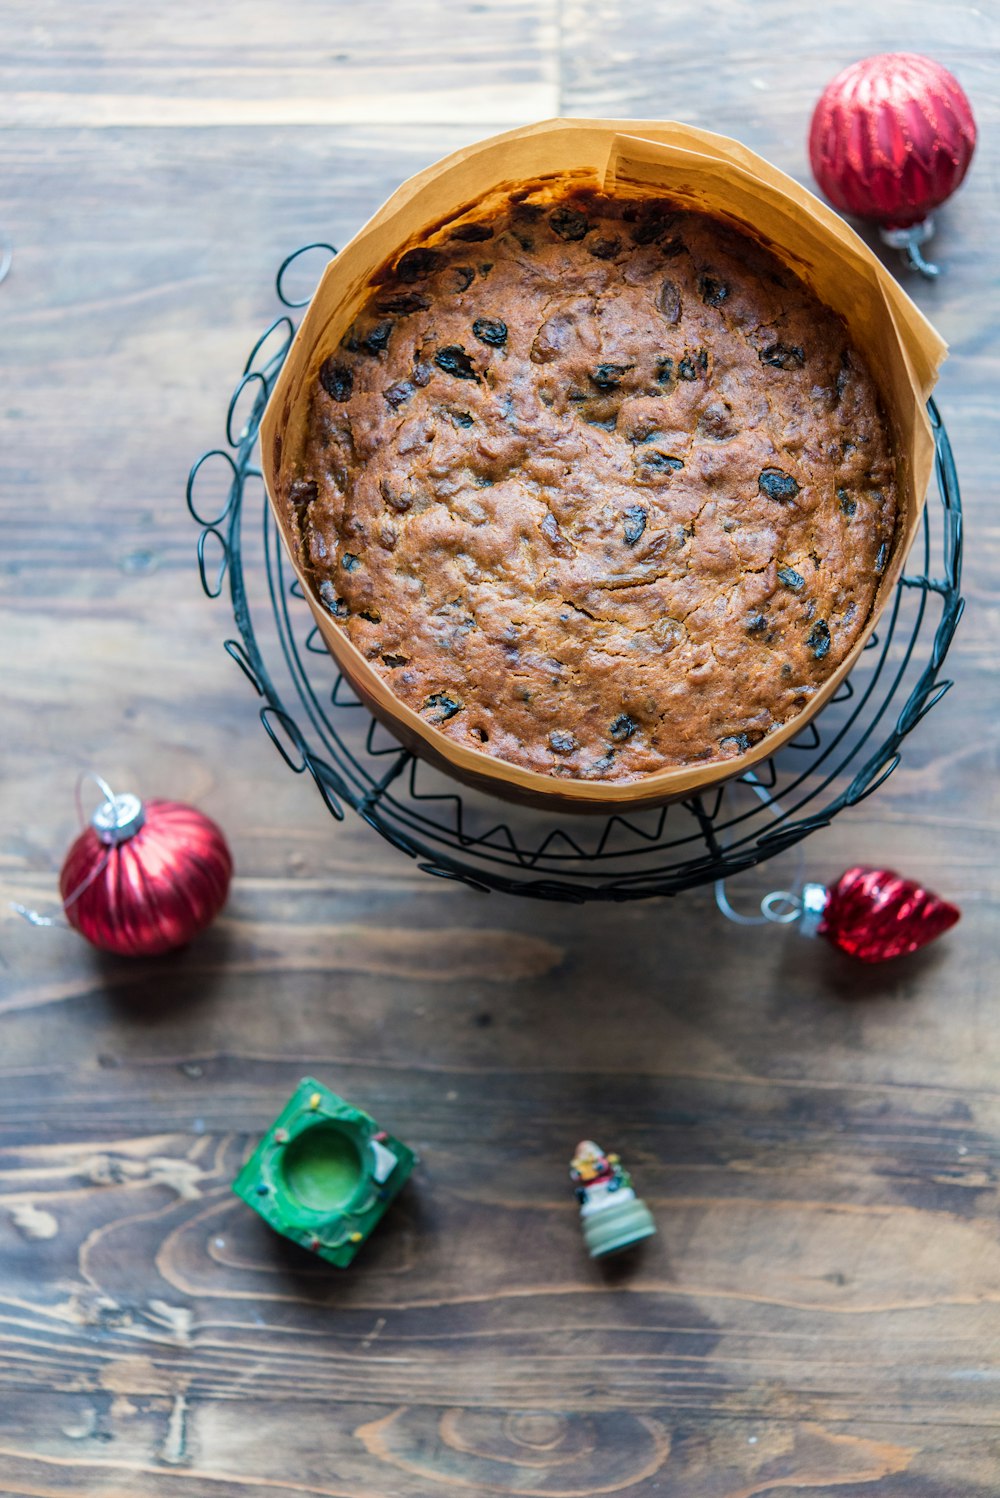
pixel 875 914
pixel 891 138
pixel 145 877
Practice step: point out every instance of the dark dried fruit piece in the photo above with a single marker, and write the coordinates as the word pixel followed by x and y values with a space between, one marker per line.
pixel 847 504
pixel 337 380
pixel 460 418
pixel 446 707
pixel 776 484
pixel 394 661
pixel 789 578
pixel 605 246
pixel 464 277
pixel 668 301
pixel 653 221
pixel 882 558
pixel 490 330
pixel 738 741
pixel 301 493
pixel 422 374
pixel 782 356
pixel 665 371
pixel 635 523
pixel 843 374
pixel 472 233
pixel 372 615
pixel 416 264
pixel 398 394
pixel 756 624
pixel 818 639
pixel 623 727
pixel 403 302
pixel 713 293
pixel 350 562
pixel 692 365
pixel 562 743
pixel 671 248
pixel 455 361
pixel 608 376
pixel 377 339
pixel 336 605
pixel 659 462
pixel 568 224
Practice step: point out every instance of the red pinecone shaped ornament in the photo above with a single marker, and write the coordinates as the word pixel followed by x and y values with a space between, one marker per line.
pixel 876 914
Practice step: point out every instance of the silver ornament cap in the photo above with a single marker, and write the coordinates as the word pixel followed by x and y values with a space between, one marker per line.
pixel 908 242
pixel 814 902
pixel 118 819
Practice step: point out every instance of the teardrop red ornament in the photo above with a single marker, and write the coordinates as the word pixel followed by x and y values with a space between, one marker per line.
pixel 891 138
pixel 876 914
pixel 145 877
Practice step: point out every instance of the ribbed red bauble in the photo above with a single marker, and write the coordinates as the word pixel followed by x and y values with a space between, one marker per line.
pixel 875 914
pixel 891 138
pixel 145 877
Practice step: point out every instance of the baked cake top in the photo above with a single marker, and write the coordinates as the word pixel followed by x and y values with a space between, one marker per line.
pixel 598 485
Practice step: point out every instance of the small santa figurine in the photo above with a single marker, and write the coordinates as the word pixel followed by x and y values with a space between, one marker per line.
pixel 612 1217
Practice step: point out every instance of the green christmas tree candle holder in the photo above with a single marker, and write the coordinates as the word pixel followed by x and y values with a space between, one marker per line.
pixel 325 1173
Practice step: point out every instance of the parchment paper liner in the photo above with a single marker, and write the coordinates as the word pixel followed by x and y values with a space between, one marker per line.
pixel 700 170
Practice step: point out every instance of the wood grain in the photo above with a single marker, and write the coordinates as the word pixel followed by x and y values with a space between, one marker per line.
pixel 114 64
pixel 820 1312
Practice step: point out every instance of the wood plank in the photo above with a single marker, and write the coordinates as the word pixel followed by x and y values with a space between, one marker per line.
pixel 387 62
pixel 819 1143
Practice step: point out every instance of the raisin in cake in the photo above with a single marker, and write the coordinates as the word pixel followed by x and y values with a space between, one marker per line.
pixel 598 485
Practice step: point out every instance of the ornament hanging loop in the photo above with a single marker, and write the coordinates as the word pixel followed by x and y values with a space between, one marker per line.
pixel 779 908
pixel 782 907
pixel 115 811
pixel 908 242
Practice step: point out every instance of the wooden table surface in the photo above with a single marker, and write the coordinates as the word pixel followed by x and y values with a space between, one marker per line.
pixel 821 1309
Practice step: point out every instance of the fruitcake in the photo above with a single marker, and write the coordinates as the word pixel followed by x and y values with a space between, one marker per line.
pixel 596 483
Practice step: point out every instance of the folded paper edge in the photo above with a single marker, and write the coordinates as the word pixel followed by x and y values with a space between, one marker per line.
pixel 723 148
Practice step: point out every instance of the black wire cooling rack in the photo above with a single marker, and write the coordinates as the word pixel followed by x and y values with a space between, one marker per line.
pixel 320 728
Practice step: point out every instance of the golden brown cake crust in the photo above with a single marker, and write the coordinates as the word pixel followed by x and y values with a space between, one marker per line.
pixel 597 485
